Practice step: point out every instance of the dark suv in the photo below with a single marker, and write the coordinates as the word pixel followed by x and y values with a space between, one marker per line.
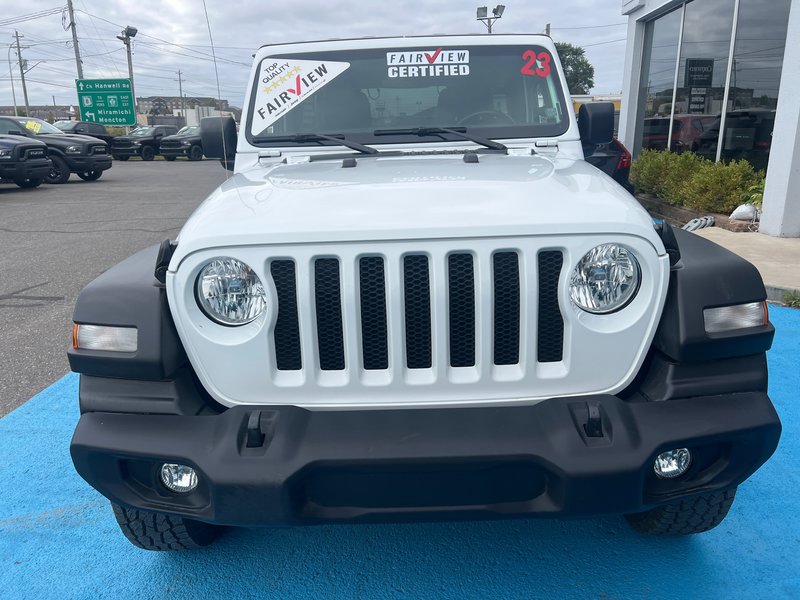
pixel 86 156
pixel 185 143
pixel 85 128
pixel 144 142
pixel 23 161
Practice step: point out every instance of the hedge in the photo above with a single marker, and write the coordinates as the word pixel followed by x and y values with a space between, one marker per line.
pixel 686 179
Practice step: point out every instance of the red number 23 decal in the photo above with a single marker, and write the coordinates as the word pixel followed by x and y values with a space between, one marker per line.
pixel 532 66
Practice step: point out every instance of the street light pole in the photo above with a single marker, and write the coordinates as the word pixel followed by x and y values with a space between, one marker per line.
pixel 483 15
pixel 126 36
pixel 11 77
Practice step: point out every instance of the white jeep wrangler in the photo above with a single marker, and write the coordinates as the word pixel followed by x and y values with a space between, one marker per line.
pixel 415 299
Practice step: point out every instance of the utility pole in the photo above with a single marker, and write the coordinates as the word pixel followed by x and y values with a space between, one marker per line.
pixel 11 77
pixel 22 74
pixel 78 62
pixel 180 92
pixel 126 36
pixel 547 29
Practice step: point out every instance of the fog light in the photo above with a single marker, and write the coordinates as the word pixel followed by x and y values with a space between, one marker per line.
pixel 673 463
pixel 178 478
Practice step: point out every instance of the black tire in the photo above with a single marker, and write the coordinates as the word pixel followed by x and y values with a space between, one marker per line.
pixel 169 158
pixel 122 158
pixel 59 171
pixel 195 153
pixel 90 176
pixel 148 153
pixel 28 183
pixel 157 531
pixel 692 515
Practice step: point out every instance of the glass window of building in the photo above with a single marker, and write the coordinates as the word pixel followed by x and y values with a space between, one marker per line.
pixel 704 71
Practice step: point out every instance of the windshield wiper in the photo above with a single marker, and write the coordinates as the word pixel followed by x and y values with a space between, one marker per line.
pixel 302 138
pixel 428 131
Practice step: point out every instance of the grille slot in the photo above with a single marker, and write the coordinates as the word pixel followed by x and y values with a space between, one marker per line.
pixel 327 295
pixel 550 326
pixel 287 331
pixel 417 293
pixel 374 338
pixel 461 278
pixel 506 308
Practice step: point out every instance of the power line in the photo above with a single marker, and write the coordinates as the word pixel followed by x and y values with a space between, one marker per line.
pixel 590 26
pixel 31 16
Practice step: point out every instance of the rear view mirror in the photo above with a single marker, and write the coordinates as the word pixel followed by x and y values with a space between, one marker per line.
pixel 218 137
pixel 596 122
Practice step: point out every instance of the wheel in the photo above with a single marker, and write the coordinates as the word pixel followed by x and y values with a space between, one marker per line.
pixel 487 117
pixel 169 158
pixel 157 531
pixel 90 176
pixel 28 183
pixel 123 158
pixel 148 153
pixel 692 515
pixel 195 153
pixel 59 170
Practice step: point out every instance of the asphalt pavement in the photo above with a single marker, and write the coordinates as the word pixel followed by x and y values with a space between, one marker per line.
pixel 57 238
pixel 58 538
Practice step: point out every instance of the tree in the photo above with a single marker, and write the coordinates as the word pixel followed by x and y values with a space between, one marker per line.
pixel 579 71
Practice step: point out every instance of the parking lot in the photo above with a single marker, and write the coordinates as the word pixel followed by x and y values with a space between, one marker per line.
pixel 57 238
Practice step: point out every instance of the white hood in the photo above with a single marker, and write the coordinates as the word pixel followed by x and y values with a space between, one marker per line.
pixel 413 197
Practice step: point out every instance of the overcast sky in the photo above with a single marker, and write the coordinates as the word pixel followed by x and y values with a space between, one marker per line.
pixel 173 35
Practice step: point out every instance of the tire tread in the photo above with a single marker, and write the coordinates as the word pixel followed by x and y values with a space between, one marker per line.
pixel 158 531
pixel 690 515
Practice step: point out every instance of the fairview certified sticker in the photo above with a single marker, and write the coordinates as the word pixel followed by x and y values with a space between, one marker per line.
pixel 284 83
pixel 428 63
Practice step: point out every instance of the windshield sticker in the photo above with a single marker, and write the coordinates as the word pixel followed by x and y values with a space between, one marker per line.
pixel 428 63
pixel 538 64
pixel 34 126
pixel 284 83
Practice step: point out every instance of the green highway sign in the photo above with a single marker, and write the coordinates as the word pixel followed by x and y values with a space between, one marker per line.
pixel 106 101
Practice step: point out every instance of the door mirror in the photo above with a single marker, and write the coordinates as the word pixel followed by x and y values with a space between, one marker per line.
pixel 596 122
pixel 218 136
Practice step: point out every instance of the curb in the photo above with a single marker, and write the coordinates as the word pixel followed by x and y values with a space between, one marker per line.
pixel 776 293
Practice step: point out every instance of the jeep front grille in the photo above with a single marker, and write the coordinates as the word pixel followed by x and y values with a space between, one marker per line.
pixel 418 298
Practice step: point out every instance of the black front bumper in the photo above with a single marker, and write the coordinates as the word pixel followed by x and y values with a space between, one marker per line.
pixel 85 164
pixel 177 151
pixel 36 168
pixel 318 466
pixel 126 151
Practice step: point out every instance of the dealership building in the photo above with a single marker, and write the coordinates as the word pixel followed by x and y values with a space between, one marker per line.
pixel 720 78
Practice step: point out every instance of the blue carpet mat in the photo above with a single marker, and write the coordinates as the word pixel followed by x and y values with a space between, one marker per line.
pixel 58 538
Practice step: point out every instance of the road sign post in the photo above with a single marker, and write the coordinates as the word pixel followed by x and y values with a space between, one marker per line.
pixel 106 101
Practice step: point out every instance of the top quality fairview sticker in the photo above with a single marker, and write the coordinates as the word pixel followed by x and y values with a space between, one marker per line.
pixel 284 83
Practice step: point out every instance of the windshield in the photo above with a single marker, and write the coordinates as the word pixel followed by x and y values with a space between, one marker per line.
pixel 38 126
pixel 65 125
pixel 190 130
pixel 492 91
pixel 143 131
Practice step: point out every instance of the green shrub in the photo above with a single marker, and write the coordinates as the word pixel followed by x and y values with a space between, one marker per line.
pixel 718 187
pixel 792 299
pixel 686 179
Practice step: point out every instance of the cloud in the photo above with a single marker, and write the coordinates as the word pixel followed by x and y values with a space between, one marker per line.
pixel 240 27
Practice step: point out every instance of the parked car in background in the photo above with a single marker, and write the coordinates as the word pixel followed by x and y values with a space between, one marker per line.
pixel 184 143
pixel 686 131
pixel 23 161
pixel 85 128
pixel 144 142
pixel 613 159
pixel 69 153
pixel 748 135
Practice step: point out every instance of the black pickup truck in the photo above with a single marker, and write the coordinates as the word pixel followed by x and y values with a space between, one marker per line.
pixel 144 142
pixel 86 156
pixel 85 128
pixel 23 161
pixel 184 143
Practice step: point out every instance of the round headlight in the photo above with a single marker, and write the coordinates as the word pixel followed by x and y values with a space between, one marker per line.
pixel 230 292
pixel 605 279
